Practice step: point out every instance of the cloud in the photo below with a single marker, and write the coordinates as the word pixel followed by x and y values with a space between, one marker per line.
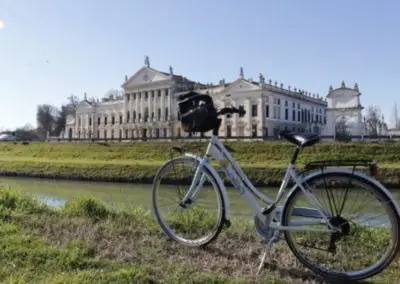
pixel 1 24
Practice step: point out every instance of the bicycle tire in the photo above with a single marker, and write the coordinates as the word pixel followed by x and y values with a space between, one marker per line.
pixel 343 276
pixel 165 228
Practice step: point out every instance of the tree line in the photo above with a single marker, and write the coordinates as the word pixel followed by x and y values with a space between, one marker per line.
pixel 374 123
pixel 52 119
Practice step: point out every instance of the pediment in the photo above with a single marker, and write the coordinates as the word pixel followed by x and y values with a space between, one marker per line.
pixel 84 104
pixel 145 75
pixel 242 85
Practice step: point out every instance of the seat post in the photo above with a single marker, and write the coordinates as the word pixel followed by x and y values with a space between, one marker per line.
pixel 296 153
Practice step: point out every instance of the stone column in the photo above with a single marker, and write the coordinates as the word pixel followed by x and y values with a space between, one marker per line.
pixel 142 106
pixel 137 107
pixel 260 116
pixel 149 105
pixel 155 105
pixel 235 120
pixel 170 104
pixel 222 129
pixel 162 105
pixel 92 126
pixel 248 127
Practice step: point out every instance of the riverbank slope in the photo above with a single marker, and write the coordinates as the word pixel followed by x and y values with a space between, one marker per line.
pixel 263 161
pixel 86 242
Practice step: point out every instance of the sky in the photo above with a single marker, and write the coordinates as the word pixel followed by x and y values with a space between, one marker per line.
pixel 50 49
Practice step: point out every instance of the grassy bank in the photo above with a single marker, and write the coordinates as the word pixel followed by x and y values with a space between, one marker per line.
pixel 264 162
pixel 86 242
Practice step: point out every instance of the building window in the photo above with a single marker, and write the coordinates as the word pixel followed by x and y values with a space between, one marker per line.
pixel 120 134
pixel 228 131
pixel 277 109
pixel 294 115
pixel 90 121
pixel 98 121
pixel 120 119
pixel 128 116
pixel 159 93
pixel 134 115
pixel 166 113
pixel 253 110
pixel 112 134
pixel 286 114
pixel 166 92
pixel 159 114
pixel 105 134
pixel 267 111
pixel 113 120
pixel 165 132
pixel 157 132
pixel 134 96
pixel 126 133
pixel 105 120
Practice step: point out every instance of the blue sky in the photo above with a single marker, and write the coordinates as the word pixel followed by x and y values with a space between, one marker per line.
pixel 50 49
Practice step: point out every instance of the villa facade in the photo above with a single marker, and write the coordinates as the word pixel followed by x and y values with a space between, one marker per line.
pixel 148 108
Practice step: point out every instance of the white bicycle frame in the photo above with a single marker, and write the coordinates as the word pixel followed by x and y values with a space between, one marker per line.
pixel 241 182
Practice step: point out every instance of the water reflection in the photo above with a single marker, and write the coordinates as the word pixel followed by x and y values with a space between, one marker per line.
pixel 118 195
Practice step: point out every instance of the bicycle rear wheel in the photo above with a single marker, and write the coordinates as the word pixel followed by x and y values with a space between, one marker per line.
pixel 196 223
pixel 327 254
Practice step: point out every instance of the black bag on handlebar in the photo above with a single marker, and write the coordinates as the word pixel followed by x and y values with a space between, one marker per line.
pixel 197 112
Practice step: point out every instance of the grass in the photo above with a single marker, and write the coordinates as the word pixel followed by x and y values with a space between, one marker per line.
pixel 87 242
pixel 246 153
pixel 263 161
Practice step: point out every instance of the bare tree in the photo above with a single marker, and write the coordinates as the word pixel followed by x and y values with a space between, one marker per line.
pixel 375 122
pixel 396 118
pixel 46 116
pixel 26 132
pixel 342 132
pixel 73 101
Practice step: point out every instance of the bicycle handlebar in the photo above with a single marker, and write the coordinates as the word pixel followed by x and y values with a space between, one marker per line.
pixel 231 110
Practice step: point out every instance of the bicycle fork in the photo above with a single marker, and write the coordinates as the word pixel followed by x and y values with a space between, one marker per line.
pixel 197 183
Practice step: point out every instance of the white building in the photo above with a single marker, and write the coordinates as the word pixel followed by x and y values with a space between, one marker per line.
pixel 344 111
pixel 148 108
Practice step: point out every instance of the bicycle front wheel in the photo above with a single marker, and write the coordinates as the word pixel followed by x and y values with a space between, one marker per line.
pixel 200 220
pixel 368 239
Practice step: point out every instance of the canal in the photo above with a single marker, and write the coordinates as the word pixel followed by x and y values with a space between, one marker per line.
pixel 117 195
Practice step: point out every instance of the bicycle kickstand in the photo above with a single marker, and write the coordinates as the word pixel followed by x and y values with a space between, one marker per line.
pixel 266 250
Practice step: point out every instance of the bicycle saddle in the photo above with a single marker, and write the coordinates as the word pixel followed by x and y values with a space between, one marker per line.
pixel 300 139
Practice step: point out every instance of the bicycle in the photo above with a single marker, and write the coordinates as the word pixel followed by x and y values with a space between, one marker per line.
pixel 273 220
